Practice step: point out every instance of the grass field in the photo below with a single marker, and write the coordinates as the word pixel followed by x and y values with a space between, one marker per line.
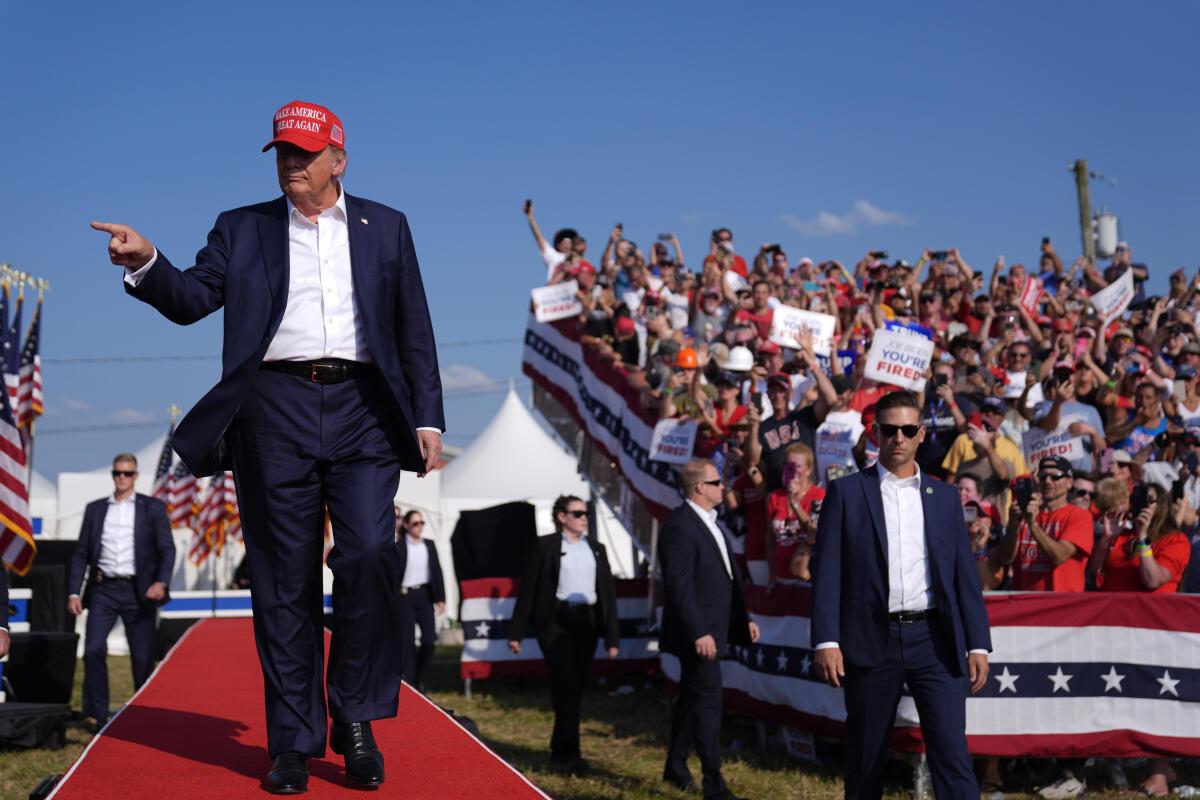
pixel 624 739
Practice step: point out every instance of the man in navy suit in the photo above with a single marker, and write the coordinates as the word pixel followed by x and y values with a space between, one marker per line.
pixel 896 599
pixel 703 613
pixel 126 547
pixel 329 387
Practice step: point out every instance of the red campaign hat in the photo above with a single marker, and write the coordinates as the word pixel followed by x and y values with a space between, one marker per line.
pixel 308 126
pixel 768 347
pixel 583 266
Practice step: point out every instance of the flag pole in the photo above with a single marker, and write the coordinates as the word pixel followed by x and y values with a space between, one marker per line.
pixel 42 285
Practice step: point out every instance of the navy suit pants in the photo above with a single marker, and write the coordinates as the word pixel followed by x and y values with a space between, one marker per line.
pixel 696 722
pixel 298 449
pixel 918 656
pixel 416 612
pixel 106 602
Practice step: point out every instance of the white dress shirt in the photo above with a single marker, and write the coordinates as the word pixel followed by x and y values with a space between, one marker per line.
pixel 576 572
pixel 116 539
pixel 321 318
pixel 710 520
pixel 416 567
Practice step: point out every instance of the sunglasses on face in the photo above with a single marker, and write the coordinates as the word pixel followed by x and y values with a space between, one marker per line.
pixel 1077 492
pixel 888 431
pixel 124 473
pixel 717 482
pixel 1052 476
pixel 577 514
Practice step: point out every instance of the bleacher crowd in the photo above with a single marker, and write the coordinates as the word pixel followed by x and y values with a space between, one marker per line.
pixel 1074 440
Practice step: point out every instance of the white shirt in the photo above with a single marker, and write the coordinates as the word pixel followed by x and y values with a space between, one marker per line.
pixel 416 567
pixel 710 520
pixel 576 572
pixel 116 539
pixel 908 554
pixel 553 260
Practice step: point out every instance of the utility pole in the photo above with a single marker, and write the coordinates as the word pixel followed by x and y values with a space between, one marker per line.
pixel 1085 209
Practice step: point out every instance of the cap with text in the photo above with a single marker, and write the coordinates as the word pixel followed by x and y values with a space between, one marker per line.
pixel 308 126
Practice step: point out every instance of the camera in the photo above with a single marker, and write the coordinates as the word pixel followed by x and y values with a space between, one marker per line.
pixel 1023 488
pixel 815 513
pixel 939 255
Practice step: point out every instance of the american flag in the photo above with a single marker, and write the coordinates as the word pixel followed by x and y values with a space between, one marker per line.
pixel 162 473
pixel 487 609
pixel 17 546
pixel 182 497
pixel 29 385
pixel 1073 675
pixel 12 353
pixel 219 518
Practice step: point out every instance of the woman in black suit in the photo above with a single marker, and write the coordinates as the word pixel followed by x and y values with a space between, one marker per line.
pixel 569 597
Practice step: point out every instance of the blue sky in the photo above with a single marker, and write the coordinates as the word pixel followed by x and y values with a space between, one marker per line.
pixel 954 122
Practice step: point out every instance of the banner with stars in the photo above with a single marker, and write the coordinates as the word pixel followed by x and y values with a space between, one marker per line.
pixel 1072 675
pixel 487 608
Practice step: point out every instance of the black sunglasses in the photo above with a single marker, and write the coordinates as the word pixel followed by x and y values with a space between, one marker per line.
pixel 888 431
pixel 717 482
pixel 124 473
pixel 1077 492
pixel 1054 476
pixel 578 514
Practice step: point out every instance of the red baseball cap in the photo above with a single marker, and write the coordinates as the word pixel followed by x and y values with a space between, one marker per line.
pixel 308 126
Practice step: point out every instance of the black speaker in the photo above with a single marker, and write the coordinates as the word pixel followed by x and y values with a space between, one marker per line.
pixel 41 667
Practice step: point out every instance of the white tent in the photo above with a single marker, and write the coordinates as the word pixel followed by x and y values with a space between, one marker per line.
pixel 43 503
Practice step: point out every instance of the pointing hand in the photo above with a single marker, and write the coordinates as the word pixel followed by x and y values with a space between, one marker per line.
pixel 126 248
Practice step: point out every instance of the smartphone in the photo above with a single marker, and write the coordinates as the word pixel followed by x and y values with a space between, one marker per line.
pixel 756 398
pixel 1045 240
pixel 878 254
pixel 970 513
pixel 664 237
pixel 809 286
pixel 939 255
pixel 619 226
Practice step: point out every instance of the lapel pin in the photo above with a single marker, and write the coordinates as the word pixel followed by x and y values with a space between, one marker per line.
pixel 363 220
pixel 928 490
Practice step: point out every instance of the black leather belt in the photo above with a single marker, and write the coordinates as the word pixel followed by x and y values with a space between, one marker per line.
pixel 102 578
pixel 325 370
pixel 411 589
pixel 906 617
pixel 573 606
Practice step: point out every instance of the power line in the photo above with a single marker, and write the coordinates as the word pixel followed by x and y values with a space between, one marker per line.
pixel 214 357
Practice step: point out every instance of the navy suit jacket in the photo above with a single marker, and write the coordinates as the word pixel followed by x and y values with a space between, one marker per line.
pixel 698 596
pixel 437 584
pixel 3 597
pixel 850 571
pixel 245 268
pixel 153 545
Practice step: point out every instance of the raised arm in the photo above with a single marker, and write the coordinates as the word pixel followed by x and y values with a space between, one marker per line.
pixel 533 227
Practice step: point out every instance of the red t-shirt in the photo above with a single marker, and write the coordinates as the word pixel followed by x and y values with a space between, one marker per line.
pixel 762 322
pixel 1121 568
pixel 1032 570
pixel 788 535
pixel 708 440
pixel 754 507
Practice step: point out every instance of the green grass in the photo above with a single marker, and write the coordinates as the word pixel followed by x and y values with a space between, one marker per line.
pixel 624 739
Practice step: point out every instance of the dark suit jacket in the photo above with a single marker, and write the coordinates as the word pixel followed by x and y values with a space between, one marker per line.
pixel 437 584
pixel 698 596
pixel 536 597
pixel 153 545
pixel 850 570
pixel 245 268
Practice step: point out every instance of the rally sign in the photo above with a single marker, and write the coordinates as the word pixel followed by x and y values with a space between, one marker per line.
pixel 1040 444
pixel 1031 294
pixel 1111 301
pixel 899 359
pixel 556 302
pixel 788 325
pixel 673 441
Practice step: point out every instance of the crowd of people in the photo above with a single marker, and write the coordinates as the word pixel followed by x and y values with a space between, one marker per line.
pixel 1074 440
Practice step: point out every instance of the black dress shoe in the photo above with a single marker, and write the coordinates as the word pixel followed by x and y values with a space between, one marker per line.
pixel 288 775
pixel 356 744
pixel 687 787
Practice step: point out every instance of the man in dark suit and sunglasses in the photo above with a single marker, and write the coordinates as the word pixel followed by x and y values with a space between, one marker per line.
pixel 896 600
pixel 126 548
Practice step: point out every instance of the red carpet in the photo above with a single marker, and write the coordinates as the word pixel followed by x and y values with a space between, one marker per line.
pixel 197 730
